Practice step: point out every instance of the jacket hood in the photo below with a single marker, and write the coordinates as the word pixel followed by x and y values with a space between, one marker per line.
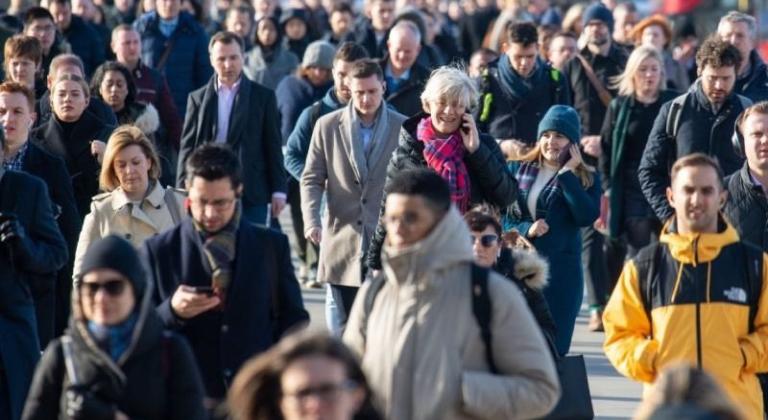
pixel 148 121
pixel 695 248
pixel 446 246
pixel 531 268
pixel 331 100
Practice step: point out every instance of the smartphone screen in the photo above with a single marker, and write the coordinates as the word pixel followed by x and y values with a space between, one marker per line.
pixel 206 290
pixel 565 156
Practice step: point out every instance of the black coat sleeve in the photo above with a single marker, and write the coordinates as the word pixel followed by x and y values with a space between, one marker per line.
pixel 185 391
pixel 43 400
pixel 292 314
pixel 402 158
pixel 606 144
pixel 653 172
pixel 45 250
pixel 188 138
pixel 161 297
pixel 489 173
pixel 273 146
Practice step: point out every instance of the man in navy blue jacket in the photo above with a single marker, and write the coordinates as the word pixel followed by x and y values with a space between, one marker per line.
pixel 225 284
pixel 173 43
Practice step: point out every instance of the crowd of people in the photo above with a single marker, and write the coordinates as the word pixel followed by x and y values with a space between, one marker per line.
pixel 458 176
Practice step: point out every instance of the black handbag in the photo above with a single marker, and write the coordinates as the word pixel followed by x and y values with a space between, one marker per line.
pixel 575 401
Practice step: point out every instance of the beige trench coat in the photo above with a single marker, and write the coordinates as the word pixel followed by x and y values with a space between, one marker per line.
pixel 354 187
pixel 110 214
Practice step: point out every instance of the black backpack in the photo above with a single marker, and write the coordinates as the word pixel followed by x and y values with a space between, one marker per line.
pixel 481 307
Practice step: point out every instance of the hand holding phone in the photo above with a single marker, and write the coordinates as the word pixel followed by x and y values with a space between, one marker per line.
pixel 469 134
pixel 187 302
pixel 203 290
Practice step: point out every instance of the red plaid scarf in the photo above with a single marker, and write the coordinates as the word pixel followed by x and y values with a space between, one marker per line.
pixel 446 157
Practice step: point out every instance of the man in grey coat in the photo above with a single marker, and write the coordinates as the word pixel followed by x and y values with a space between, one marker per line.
pixel 347 160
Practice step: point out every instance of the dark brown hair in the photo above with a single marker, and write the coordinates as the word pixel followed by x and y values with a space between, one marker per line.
pixel 697 160
pixel 717 53
pixel 366 68
pixel 350 52
pixel 226 38
pixel 23 46
pixel 480 218
pixel 524 33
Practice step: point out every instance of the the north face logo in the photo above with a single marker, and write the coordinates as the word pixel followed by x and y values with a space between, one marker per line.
pixel 736 294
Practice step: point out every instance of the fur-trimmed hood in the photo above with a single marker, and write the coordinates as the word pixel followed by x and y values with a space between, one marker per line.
pixel 145 117
pixel 526 266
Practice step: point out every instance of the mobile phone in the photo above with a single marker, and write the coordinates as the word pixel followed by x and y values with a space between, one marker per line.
pixel 204 290
pixel 565 156
pixel 464 129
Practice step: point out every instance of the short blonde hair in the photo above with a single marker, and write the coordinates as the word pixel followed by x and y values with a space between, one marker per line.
pixel 449 82
pixel 71 78
pixel 625 82
pixel 122 137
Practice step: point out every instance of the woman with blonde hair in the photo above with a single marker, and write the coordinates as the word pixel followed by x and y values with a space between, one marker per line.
pixel 656 31
pixel 135 205
pixel 558 195
pixel 445 139
pixel 685 392
pixel 627 124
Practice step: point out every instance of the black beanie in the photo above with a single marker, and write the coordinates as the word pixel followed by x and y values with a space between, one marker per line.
pixel 116 253
pixel 597 11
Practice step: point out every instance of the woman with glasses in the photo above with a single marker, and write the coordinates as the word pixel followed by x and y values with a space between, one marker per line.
pixel 306 375
pixel 559 194
pixel 525 268
pixel 136 205
pixel 115 362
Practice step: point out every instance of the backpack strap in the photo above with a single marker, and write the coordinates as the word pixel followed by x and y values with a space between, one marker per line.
pixel 753 263
pixel 673 117
pixel 377 283
pixel 646 263
pixel 481 307
pixel 314 113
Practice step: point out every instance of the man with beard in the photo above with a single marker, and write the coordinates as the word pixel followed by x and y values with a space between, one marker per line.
pixel 700 120
pixel 590 74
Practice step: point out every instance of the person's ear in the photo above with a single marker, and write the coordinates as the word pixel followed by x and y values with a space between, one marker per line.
pixel 670 197
pixel 239 191
pixel 723 198
pixel 503 48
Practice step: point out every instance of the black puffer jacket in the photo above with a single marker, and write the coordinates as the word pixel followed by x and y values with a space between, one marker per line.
pixel 747 208
pixel 530 272
pixel 155 379
pixel 754 85
pixel 490 180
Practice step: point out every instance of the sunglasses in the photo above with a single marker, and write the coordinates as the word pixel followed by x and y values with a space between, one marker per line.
pixel 111 287
pixel 486 240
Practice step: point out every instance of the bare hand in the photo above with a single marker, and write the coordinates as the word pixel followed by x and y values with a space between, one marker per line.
pixel 592 146
pixel 97 149
pixel 469 134
pixel 538 228
pixel 188 304
pixel 575 159
pixel 314 234
pixel 278 203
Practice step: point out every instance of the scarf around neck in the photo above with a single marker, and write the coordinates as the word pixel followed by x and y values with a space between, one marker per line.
pixel 446 157
pixel 219 249
pixel 114 339
pixel 526 176
pixel 516 86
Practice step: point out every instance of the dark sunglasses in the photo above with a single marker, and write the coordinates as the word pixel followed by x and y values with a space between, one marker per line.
pixel 485 240
pixel 111 287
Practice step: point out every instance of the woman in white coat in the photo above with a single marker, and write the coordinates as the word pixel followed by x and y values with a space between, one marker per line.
pixel 135 205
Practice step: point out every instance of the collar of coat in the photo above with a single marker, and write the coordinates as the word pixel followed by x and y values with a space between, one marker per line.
pixel 155 197
pixel 694 248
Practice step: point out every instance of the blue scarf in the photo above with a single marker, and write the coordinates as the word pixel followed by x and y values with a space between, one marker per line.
pixel 114 339
pixel 526 175
pixel 516 86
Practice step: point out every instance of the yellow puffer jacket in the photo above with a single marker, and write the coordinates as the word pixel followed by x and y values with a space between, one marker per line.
pixel 700 308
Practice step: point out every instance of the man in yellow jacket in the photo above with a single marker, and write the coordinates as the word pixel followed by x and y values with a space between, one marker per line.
pixel 698 296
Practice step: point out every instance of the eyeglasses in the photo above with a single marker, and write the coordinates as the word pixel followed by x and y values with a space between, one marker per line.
pixel 406 219
pixel 485 240
pixel 221 204
pixel 328 392
pixel 112 287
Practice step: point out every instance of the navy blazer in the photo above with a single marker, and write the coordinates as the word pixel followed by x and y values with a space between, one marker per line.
pixel 253 133
pixel 250 322
pixel 47 252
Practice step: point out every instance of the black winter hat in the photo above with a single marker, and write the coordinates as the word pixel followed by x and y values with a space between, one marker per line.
pixel 597 11
pixel 289 14
pixel 116 253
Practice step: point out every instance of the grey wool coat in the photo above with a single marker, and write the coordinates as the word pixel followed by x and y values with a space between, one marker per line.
pixel 337 165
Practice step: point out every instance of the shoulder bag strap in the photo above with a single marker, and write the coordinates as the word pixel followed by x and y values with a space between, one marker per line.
pixel 602 92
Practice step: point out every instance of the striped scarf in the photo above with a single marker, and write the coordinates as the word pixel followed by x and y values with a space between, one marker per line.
pixel 526 175
pixel 446 157
pixel 219 248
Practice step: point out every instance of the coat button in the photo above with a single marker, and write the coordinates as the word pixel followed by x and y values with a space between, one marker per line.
pixel 128 236
pixel 359 222
pixel 227 372
pixel 224 328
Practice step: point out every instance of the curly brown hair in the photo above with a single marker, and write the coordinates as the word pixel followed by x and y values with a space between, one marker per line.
pixel 717 53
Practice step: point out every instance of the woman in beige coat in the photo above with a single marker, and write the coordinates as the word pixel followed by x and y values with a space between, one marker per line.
pixel 136 206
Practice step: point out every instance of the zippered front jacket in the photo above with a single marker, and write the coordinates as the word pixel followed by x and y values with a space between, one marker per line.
pixel 694 306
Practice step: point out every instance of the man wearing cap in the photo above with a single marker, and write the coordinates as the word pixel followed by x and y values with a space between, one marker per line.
pixel 589 74
pixel 30 244
pixel 234 110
